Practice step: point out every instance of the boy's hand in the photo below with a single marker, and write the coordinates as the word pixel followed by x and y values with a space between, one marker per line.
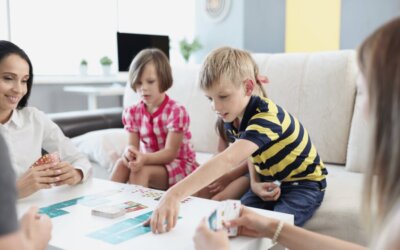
pixel 165 215
pixel 267 191
pixel 219 184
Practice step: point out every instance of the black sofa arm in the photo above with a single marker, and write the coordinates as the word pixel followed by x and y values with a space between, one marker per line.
pixel 79 122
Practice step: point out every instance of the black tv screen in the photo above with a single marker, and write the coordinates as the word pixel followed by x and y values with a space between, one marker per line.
pixel 129 44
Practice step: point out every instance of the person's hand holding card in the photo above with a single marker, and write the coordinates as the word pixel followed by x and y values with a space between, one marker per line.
pixel 67 174
pixel 39 176
pixel 47 159
pixel 226 211
pixel 63 172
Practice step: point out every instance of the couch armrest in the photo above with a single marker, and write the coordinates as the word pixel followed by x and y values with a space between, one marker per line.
pixel 79 122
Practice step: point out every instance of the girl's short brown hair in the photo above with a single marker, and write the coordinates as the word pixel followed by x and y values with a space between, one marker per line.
pixel 161 64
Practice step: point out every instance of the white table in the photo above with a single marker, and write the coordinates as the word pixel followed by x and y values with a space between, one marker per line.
pixel 70 231
pixel 94 91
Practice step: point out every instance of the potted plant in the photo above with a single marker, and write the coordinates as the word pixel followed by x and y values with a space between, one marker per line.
pixel 106 62
pixel 187 48
pixel 83 67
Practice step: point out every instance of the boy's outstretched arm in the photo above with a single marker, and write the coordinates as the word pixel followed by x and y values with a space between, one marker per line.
pixel 165 214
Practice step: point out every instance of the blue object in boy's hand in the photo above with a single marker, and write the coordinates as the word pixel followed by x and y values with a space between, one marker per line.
pixel 277 183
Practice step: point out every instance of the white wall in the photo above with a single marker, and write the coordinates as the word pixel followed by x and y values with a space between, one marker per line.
pixel 57 35
pixel 226 32
pixel 174 18
pixel 361 17
pixel 3 20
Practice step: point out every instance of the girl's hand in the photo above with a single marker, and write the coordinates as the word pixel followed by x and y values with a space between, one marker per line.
pixel 219 184
pixel 267 191
pixel 67 174
pixel 36 229
pixel 128 155
pixel 138 162
pixel 252 224
pixel 165 215
pixel 36 178
pixel 205 238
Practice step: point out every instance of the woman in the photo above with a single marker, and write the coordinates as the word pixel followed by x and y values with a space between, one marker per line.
pixel 27 130
pixel 379 61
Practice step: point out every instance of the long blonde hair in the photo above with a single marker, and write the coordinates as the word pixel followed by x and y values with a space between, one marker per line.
pixel 379 61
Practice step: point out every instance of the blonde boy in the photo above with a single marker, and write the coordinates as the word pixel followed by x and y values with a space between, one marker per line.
pixel 277 145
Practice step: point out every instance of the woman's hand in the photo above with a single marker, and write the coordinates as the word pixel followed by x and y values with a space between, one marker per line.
pixel 205 238
pixel 267 191
pixel 36 178
pixel 220 184
pixel 36 229
pixel 165 215
pixel 67 174
pixel 252 224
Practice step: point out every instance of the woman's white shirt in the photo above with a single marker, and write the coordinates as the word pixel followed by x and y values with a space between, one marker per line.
pixel 28 131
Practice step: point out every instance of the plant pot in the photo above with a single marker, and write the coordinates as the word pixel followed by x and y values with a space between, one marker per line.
pixel 106 70
pixel 83 70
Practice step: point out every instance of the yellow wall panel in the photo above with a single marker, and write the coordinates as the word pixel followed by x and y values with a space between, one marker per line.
pixel 312 25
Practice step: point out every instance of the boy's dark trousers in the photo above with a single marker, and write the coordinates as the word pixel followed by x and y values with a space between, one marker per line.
pixel 300 198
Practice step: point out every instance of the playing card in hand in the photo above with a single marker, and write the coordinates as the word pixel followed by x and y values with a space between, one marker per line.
pixel 47 159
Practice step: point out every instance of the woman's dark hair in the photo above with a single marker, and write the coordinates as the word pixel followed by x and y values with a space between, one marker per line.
pixel 8 48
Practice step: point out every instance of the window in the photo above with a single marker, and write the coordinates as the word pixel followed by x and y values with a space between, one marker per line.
pixel 57 35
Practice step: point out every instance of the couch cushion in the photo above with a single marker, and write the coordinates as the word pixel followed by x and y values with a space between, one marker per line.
pixel 319 89
pixel 340 212
pixel 202 157
pixel 103 147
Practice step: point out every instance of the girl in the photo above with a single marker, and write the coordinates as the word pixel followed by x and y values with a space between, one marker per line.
pixel 27 130
pixel 379 61
pixel 159 153
pixel 277 144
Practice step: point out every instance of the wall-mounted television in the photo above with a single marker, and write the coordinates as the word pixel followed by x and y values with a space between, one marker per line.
pixel 129 44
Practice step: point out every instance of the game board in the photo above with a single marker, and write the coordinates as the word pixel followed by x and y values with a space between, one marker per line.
pixel 124 230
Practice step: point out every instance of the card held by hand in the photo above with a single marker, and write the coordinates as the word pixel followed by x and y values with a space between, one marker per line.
pixel 227 210
pixel 47 159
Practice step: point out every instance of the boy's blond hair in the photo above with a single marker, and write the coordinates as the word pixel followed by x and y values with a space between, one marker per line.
pixel 161 64
pixel 229 63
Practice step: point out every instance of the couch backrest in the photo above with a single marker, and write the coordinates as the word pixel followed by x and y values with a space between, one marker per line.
pixel 318 88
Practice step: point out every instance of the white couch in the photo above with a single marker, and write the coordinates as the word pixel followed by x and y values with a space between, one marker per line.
pixel 320 90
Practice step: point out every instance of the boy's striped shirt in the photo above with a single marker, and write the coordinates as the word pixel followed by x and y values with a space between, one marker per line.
pixel 285 151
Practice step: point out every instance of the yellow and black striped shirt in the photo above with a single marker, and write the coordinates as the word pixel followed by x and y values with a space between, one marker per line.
pixel 285 151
